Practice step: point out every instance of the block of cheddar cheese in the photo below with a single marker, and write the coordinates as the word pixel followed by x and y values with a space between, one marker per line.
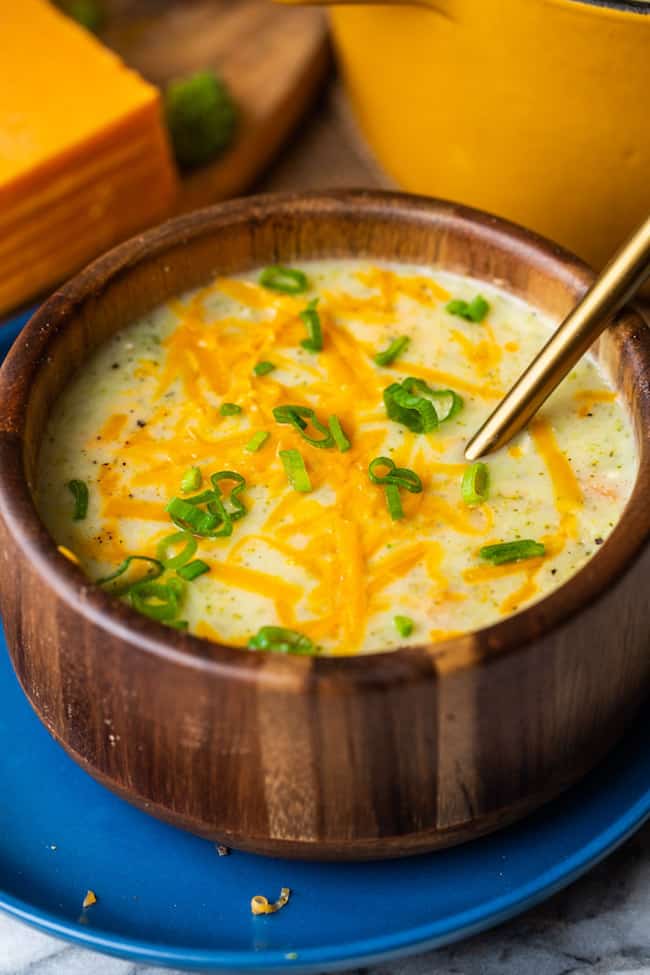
pixel 84 155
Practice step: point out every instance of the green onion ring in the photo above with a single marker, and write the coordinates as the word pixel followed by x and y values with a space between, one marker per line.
pixel 474 487
pixel 471 311
pixel 176 561
pixel 339 436
pixel 263 368
pixel 238 507
pixel 193 570
pixel 311 319
pixel 403 477
pixel 395 349
pixel 79 491
pixel 189 517
pixel 294 415
pixel 166 600
pixel 523 548
pixel 285 280
pixel 418 407
pixel 158 569
pixel 279 639
pixel 403 625
pixel 257 441
pixel 191 480
pixel 229 409
pixel 295 470
pixel 393 501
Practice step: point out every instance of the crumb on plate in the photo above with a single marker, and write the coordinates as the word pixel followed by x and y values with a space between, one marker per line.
pixel 260 904
pixel 89 899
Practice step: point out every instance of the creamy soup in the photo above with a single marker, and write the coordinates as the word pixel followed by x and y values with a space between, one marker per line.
pixel 302 441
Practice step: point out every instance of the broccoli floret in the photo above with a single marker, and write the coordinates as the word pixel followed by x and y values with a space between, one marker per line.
pixel 88 13
pixel 201 117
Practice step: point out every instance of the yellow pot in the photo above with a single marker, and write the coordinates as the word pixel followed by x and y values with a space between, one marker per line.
pixel 537 110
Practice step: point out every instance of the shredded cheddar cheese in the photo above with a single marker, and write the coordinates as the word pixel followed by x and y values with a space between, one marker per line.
pixel 70 556
pixel 587 399
pixel 568 493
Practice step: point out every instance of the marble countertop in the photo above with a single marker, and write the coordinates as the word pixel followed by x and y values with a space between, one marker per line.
pixel 598 926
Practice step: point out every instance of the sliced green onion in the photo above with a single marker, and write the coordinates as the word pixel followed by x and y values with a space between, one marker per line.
pixel 402 477
pixel 186 553
pixel 190 517
pixel 193 570
pixel 178 624
pixel 257 441
pixel 415 405
pixel 475 484
pixel 293 415
pixel 423 417
pixel 396 347
pixel 478 309
pixel 191 480
pixel 79 491
pixel 203 498
pixel 403 625
pixel 523 548
pixel 295 470
pixel 263 368
pixel 336 430
pixel 176 586
pixel 311 318
pixel 155 568
pixel 471 311
pixel 446 403
pixel 414 412
pixel 279 639
pixel 218 508
pixel 394 479
pixel 393 502
pixel 229 409
pixel 187 515
pixel 238 509
pixel 157 600
pixel 286 280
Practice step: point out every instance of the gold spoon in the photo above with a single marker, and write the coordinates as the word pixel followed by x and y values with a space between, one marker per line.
pixel 621 279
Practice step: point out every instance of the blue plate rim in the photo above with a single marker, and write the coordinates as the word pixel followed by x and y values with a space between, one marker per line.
pixel 366 951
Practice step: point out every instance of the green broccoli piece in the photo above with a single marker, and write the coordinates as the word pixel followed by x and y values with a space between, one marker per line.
pixel 201 117
pixel 88 13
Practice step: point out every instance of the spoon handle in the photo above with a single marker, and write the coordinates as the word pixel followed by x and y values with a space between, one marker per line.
pixel 622 277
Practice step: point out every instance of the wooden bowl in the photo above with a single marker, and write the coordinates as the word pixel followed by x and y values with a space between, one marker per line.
pixel 374 756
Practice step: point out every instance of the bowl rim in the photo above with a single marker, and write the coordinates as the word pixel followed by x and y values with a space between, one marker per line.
pixel 29 353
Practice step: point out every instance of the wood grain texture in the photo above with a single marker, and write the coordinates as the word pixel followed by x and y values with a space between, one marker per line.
pixel 381 755
pixel 273 58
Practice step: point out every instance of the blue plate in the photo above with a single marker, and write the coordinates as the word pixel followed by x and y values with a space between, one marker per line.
pixel 165 897
pixel 10 328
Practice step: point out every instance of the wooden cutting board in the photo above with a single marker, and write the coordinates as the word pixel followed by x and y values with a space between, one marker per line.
pixel 273 58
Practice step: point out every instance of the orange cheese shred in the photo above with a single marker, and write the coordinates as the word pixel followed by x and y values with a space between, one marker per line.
pixel 568 493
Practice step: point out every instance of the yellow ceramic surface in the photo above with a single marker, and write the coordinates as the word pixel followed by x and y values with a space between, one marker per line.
pixel 536 110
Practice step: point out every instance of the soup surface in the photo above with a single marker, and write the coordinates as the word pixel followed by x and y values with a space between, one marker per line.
pixel 242 378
